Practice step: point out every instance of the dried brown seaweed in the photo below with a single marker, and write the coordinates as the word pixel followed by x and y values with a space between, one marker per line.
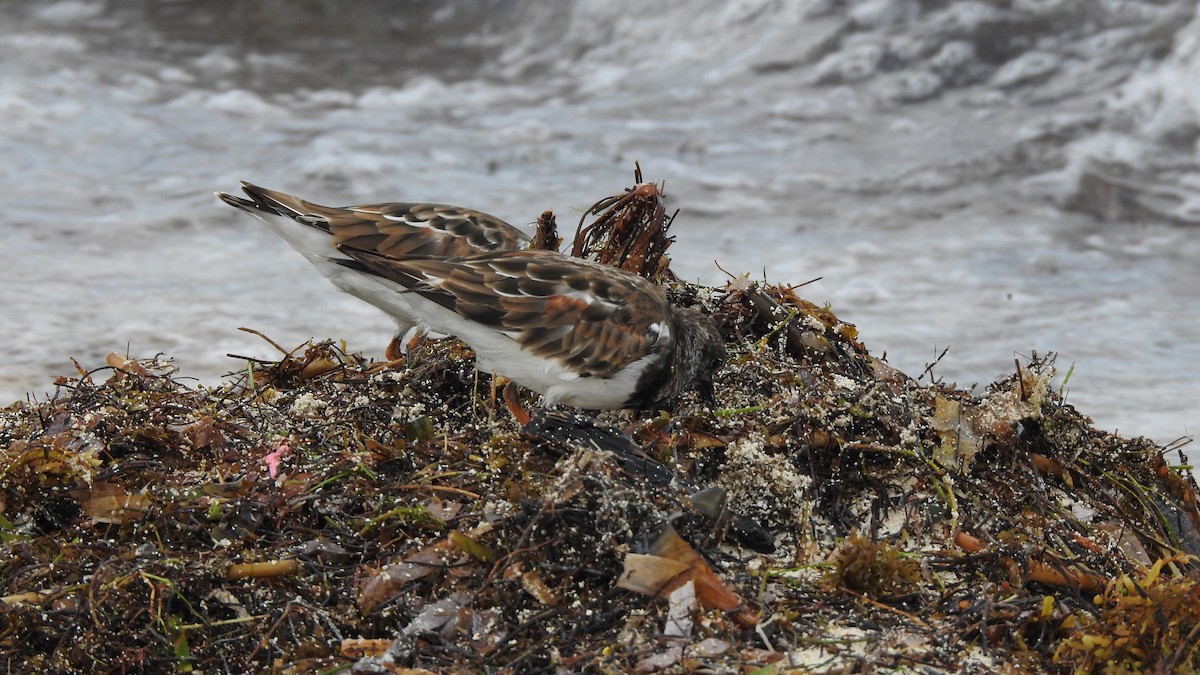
pixel 323 512
pixel 629 231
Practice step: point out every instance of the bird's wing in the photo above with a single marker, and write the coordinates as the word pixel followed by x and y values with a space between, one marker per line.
pixel 595 319
pixel 400 228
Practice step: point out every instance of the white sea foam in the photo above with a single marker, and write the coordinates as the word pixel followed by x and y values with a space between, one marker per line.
pixel 41 43
pixel 69 11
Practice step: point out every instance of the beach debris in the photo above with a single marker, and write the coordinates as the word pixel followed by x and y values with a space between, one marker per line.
pixel 827 512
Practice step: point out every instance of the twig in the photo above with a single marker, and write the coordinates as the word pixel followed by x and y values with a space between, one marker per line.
pixel 271 342
pixel 889 608
pixel 929 366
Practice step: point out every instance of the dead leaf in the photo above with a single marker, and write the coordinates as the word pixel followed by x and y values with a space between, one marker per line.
pixel 672 563
pixel 109 503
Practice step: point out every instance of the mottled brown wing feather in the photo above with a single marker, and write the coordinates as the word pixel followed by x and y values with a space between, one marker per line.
pixel 402 229
pixel 594 318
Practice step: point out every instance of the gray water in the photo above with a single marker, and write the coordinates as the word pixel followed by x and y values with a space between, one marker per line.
pixel 993 177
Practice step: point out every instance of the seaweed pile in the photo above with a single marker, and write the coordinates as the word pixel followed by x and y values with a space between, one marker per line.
pixel 323 513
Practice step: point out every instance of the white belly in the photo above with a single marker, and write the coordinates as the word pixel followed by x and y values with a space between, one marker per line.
pixel 500 354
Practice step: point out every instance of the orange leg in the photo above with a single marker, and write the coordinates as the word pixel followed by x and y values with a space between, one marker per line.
pixel 397 349
pixel 394 351
pixel 514 403
pixel 416 340
pixel 394 355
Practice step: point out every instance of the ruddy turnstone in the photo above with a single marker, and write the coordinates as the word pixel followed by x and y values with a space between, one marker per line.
pixel 388 229
pixel 580 333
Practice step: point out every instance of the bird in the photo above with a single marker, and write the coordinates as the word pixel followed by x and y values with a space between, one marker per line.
pixel 396 229
pixel 578 332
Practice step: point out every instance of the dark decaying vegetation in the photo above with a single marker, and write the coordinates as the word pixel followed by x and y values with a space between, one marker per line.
pixel 320 513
